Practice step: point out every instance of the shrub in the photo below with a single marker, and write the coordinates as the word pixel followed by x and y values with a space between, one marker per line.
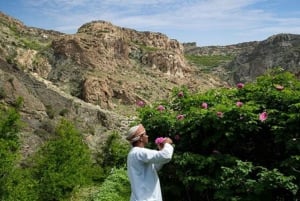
pixel 62 164
pixel 64 112
pixel 9 139
pixel 115 187
pixel 247 182
pixel 9 124
pixel 50 111
pixel 19 185
pixel 114 152
pixel 208 61
pixel 2 93
pixel 15 182
pixel 256 122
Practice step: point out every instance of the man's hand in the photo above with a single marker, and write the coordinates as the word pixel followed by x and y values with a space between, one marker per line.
pixel 168 140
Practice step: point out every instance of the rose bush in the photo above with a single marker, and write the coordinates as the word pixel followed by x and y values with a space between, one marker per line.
pixel 225 152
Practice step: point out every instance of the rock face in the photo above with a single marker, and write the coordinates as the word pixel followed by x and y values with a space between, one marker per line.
pixel 279 50
pixel 235 49
pixel 96 62
pixel 93 78
pixel 251 59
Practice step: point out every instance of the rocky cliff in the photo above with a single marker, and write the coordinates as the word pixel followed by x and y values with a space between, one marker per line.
pixel 96 76
pixel 251 59
pixel 93 77
pixel 282 50
pixel 103 64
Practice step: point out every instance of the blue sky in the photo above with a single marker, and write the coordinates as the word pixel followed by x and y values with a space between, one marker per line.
pixel 206 22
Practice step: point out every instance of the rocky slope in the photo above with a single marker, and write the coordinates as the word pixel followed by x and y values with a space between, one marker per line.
pixel 93 77
pixel 251 59
pixel 96 76
pixel 279 50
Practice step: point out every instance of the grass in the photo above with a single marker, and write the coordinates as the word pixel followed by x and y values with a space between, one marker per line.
pixel 32 44
pixel 145 47
pixel 208 61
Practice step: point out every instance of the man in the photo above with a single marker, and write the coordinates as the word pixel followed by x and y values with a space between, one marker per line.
pixel 143 163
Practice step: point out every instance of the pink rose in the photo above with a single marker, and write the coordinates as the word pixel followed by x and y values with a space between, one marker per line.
pixel 204 105
pixel 180 94
pixel 240 85
pixel 140 103
pixel 220 114
pixel 177 137
pixel 159 140
pixel 239 104
pixel 180 117
pixel 160 108
pixel 263 116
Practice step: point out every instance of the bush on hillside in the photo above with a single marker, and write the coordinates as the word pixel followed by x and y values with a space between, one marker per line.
pixel 115 187
pixel 238 143
pixel 15 183
pixel 62 164
pixel 114 153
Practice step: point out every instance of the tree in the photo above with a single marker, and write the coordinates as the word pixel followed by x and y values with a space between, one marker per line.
pixel 15 182
pixel 62 164
pixel 113 153
pixel 9 127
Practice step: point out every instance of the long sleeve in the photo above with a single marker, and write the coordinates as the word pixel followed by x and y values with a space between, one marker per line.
pixel 157 157
pixel 142 164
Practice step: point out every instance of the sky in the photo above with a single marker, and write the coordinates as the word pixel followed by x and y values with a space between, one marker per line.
pixel 206 22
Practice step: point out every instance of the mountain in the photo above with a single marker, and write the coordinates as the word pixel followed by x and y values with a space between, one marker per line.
pixel 96 76
pixel 250 59
pixel 93 77
pixel 279 50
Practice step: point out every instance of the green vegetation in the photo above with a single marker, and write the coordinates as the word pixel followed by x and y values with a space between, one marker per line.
pixel 208 61
pixel 62 164
pixel 231 144
pixel 113 153
pixel 238 144
pixel 50 111
pixel 145 47
pixel 2 93
pixel 15 184
pixel 148 48
pixel 31 44
pixel 115 187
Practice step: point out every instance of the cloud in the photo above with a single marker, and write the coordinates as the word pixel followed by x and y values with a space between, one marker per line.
pixel 172 17
pixel 61 4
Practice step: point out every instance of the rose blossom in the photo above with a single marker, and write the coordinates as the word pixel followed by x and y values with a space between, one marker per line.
pixel 180 94
pixel 177 137
pixel 180 117
pixel 263 116
pixel 220 114
pixel 240 85
pixel 159 140
pixel 160 108
pixel 140 103
pixel 204 105
pixel 239 104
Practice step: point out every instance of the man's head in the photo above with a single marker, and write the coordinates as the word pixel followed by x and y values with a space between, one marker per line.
pixel 137 134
